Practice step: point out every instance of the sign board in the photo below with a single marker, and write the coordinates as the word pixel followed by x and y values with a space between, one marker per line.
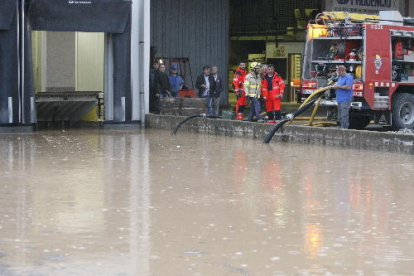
pixel 108 16
pixel 282 50
pixel 257 57
pixel 365 6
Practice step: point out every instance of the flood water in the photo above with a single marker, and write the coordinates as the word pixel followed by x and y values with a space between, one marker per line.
pixel 141 202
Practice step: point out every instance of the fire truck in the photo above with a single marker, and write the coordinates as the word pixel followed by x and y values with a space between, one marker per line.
pixel 378 51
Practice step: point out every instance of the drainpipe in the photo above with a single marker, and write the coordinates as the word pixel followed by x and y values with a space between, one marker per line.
pixel 135 60
pixel 23 29
pixel 146 62
pixel 141 61
pixel 18 62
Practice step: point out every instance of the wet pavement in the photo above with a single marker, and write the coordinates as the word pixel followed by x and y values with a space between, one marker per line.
pixel 141 202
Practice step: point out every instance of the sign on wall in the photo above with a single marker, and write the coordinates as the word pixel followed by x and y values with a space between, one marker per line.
pixel 365 6
pixel 282 50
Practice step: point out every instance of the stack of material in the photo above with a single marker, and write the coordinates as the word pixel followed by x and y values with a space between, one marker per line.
pixel 183 106
pixel 65 106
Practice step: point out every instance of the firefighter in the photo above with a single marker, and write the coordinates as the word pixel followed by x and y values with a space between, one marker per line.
pixel 273 89
pixel 238 86
pixel 252 86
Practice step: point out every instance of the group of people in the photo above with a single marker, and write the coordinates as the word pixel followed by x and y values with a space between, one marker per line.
pixel 210 85
pixel 163 84
pixel 263 83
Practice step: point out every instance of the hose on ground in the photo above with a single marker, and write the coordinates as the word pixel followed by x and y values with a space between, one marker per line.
pixel 179 124
pixel 315 109
pixel 291 116
pixel 314 94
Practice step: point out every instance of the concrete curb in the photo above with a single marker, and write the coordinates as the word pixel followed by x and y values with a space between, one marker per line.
pixel 357 139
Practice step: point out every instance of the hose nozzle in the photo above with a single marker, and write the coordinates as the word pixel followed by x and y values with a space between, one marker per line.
pixel 289 117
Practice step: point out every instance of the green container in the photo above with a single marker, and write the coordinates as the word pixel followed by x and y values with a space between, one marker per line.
pixel 228 115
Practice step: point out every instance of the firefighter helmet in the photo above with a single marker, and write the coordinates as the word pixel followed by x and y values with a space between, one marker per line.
pixel 254 65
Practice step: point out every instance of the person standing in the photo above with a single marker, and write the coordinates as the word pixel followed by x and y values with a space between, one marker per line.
pixel 344 95
pixel 153 73
pixel 264 70
pixel 176 81
pixel 238 86
pixel 205 86
pixel 252 86
pixel 218 88
pixel 263 74
pixel 273 89
pixel 162 88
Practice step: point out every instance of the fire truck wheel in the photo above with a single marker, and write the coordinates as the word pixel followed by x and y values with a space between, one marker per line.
pixel 403 111
pixel 358 121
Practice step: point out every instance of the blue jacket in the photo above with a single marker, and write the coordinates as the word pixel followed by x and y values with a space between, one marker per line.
pixel 344 95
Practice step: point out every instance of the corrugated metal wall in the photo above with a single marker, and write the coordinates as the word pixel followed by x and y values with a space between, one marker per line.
pixel 194 29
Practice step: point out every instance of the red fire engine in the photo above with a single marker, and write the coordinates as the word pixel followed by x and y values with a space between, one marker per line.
pixel 378 51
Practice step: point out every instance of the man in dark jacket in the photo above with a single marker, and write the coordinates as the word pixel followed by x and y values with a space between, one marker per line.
pixel 218 88
pixel 153 73
pixel 206 85
pixel 162 88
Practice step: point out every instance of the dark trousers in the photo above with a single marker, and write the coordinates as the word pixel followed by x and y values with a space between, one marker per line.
pixel 155 105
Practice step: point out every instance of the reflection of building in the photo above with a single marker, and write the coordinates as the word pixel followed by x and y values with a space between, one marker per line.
pixel 78 209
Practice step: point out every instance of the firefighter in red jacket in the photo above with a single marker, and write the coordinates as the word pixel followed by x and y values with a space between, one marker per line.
pixel 273 89
pixel 238 85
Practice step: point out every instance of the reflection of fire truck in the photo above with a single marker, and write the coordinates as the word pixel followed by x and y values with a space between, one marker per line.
pixel 378 51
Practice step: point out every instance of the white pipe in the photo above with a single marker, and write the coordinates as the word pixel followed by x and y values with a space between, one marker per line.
pixel 135 61
pixel 123 109
pixel 32 110
pixel 18 61
pixel 146 63
pixel 23 61
pixel 10 108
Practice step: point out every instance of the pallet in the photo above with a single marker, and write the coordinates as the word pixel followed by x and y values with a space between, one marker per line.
pixel 183 106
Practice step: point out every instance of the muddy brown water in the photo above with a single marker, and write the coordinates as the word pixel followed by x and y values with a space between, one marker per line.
pixel 141 202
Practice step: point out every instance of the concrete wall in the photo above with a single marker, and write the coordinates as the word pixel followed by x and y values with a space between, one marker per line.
pixel 356 139
pixel 194 29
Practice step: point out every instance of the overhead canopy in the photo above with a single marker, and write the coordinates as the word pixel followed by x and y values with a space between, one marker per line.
pixel 7 11
pixel 108 16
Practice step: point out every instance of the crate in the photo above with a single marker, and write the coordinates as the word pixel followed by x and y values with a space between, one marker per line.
pixel 228 115
pixel 187 93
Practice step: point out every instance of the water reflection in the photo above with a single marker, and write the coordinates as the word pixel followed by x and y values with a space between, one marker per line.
pixel 146 203
pixel 79 202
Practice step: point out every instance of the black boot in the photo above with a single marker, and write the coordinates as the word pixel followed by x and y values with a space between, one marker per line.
pixel 269 116
pixel 278 115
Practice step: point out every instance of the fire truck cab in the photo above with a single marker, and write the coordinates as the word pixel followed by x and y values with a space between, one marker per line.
pixel 378 51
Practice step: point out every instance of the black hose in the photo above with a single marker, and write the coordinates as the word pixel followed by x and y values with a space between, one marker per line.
pixel 272 132
pixel 179 124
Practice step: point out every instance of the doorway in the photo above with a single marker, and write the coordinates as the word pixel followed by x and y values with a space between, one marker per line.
pixel 68 75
